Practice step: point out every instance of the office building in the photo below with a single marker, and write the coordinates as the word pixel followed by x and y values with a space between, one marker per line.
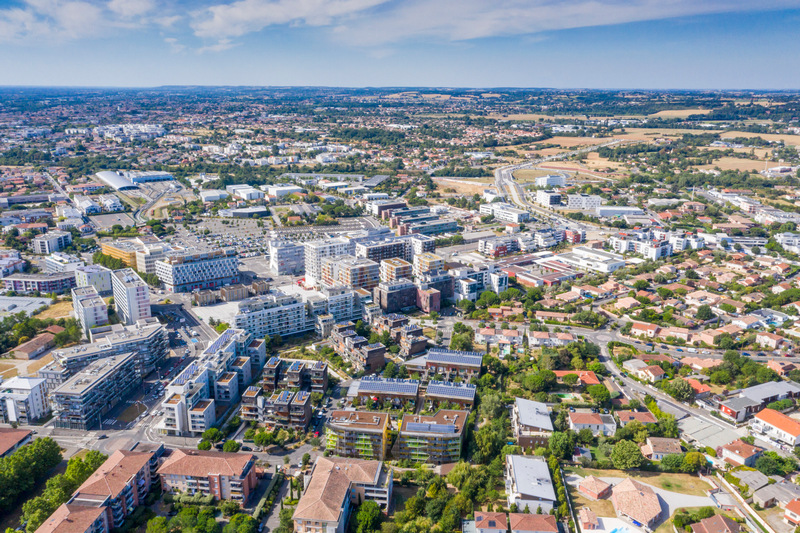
pixel 96 276
pixel 83 401
pixel 428 227
pixel 582 258
pixel 616 211
pixel 358 434
pixel 435 439
pixel 505 212
pixel 226 476
pixel 548 198
pixel 584 202
pixel 131 296
pixel 395 296
pixel 186 271
pixel 317 251
pixel 22 400
pixel 53 241
pixel 427 262
pixel 336 486
pixel 58 262
pixel 89 308
pixel 286 257
pixel 394 269
pixel 351 272
pixel 528 483
pixel 379 207
pixel 42 283
pixel 551 180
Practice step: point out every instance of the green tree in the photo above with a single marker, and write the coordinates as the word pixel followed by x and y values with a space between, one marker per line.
pixel 212 435
pixel 461 342
pixel 204 445
pixel 157 525
pixel 692 462
pixel 231 446
pixel 626 455
pixel 229 507
pixel 704 313
pixel 599 394
pixel 368 518
pixel 562 444
pixel 491 406
pixel 680 390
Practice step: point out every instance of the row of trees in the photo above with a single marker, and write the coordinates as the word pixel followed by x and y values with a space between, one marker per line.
pixel 23 469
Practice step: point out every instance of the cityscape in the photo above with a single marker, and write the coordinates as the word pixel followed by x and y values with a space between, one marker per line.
pixel 237 304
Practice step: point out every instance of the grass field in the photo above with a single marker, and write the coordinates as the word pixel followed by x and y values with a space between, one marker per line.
pixel 793 140
pixel 600 507
pixel 529 175
pixel 130 414
pixel 683 483
pixel 666 526
pixel 57 310
pixel 680 113
pixel 8 369
pixel 571 142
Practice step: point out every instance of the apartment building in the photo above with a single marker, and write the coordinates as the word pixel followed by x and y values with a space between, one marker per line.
pixel 131 296
pixel 96 276
pixel 435 439
pixel 776 426
pixel 72 518
pixel 286 257
pixel 42 283
pixel 336 485
pixel 186 271
pixel 357 349
pixel 505 212
pixel 584 202
pixel 286 409
pixel 89 308
pixel 398 392
pixel 83 400
pixel 450 393
pixel 119 486
pixel 426 262
pixel 528 483
pixel 226 476
pixel 382 250
pixel 498 246
pixel 450 364
pixel 395 296
pixel 52 241
pixel 351 272
pixel 309 375
pixel 147 339
pixel 548 198
pixel 358 434
pixel 531 423
pixel 394 269
pixel 316 251
pixel 23 400
pixel 470 282
pixel 58 262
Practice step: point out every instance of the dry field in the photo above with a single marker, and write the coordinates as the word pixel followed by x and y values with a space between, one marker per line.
pixel 760 153
pixel 593 161
pixel 600 507
pixel 57 310
pixel 8 369
pixel 572 142
pixel 734 163
pixel 680 113
pixel 789 140
pixel 34 366
pixel 683 483
pixel 476 186
pixel 528 175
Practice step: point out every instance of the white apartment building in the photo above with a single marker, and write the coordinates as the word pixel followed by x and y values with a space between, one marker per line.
pixel 683 242
pixel 186 271
pixel 789 241
pixel 89 308
pixel 22 400
pixel 96 276
pixel 287 257
pixel 53 241
pixel 505 212
pixel 548 198
pixel 131 296
pixel 548 237
pixel 551 180
pixel 470 282
pixel 58 262
pixel 583 201
pixel 245 192
pixel 316 251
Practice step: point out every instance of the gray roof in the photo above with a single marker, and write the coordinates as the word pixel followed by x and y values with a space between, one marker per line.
pixel 534 414
pixel 440 355
pixel 448 389
pixel 742 402
pixel 752 478
pixel 114 180
pixel 706 434
pixel 783 492
pixel 388 386
pixel 760 393
pixel 532 477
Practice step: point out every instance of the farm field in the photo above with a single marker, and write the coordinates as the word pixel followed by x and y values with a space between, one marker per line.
pixel 572 142
pixel 734 163
pixel 680 113
pixel 792 140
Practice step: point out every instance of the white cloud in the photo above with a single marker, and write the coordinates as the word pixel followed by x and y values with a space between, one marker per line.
pixel 131 8
pixel 220 46
pixel 174 46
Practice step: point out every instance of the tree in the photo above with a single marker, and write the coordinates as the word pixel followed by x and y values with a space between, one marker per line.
pixel 599 394
pixel 229 507
pixel 673 461
pixel 368 518
pixel 204 445
pixel 680 390
pixel 692 462
pixel 669 426
pixel 640 285
pixel 704 313
pixel 491 406
pixel 306 459
pixel 570 379
pixel 626 455
pixel 231 446
pixel 585 436
pixel 461 342
pixel 562 444
pixel 212 435
pixel 157 525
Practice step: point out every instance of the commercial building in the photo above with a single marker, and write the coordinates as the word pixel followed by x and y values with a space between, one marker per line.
pixel 317 251
pixel 83 400
pixel 616 211
pixel 60 262
pixel 52 241
pixel 286 257
pixel 89 308
pixel 531 423
pixel 96 276
pixel 42 283
pixel 583 258
pixel 427 262
pixel 131 296
pixel 505 212
pixel 351 272
pixel 548 198
pixel 226 476
pixel 186 271
pixel 22 400
pixel 394 269
pixel 428 227
pixel 584 202
pixel 551 180
pixel 435 439
pixel 335 487
pixel 245 192
pixel 358 434
pixel 213 195
pixel 528 483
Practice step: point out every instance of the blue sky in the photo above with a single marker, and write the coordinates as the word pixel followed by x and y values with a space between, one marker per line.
pixel 670 44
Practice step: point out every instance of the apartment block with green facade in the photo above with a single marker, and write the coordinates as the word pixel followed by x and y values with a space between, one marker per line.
pixel 433 439
pixel 358 434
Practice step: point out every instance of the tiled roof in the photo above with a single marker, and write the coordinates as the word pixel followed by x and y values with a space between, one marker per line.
pixel 491 520
pixel 198 463
pixel 330 485
pixel 593 484
pixel 636 500
pixel 742 449
pixel 10 437
pixel 525 523
pixel 71 519
pixel 779 421
pixel 115 473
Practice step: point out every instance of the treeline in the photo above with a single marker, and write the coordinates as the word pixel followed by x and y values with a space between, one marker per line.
pixel 99 258
pixel 463 172
pixel 23 469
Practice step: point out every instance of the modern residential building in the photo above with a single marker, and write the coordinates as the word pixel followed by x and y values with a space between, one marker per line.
pixel 584 202
pixel 82 401
pixel 52 241
pixel 505 212
pixel 60 262
pixel 531 423
pixel 470 282
pixel 357 349
pixel 498 246
pixel 394 269
pixel 351 272
pixel 427 262
pixel 358 434
pixel 186 271
pixel 395 296
pixel 89 308
pixel 435 439
pixel 448 364
pixel 23 400
pixel 316 251
pixel 131 296
pixel 398 392
pixel 42 283
pixel 72 518
pixel 451 393
pixel 528 483
pixel 96 276
pixel 335 487
pixel 226 476
pixel 286 257
pixel 307 375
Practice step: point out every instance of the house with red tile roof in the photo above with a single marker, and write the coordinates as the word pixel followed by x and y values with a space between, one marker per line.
pixel 599 424
pixel 594 488
pixel 739 453
pixel 791 514
pixel 491 522
pixel 637 502
pixel 626 417
pixel 777 426
pixel 701 390
pixel 532 523
pixel 716 524
pixel 585 377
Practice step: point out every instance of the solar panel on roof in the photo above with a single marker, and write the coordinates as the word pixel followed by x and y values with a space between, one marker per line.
pixel 389 386
pixel 445 388
pixel 430 428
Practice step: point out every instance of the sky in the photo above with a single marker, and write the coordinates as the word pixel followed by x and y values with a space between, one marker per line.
pixel 646 44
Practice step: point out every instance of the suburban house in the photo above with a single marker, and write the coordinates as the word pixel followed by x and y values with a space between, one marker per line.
pixel 531 423
pixel 652 373
pixel 739 453
pixel 642 329
pixel 626 417
pixel 656 448
pixel 594 488
pixel 636 501
pixel 780 493
pixel 769 340
pixel 598 423
pixel 491 522
pixel 777 426
pixel 528 483
pixel 585 377
pixel 791 514
pixel 532 523
pixel 716 524
pixel 701 390
pixel 588 519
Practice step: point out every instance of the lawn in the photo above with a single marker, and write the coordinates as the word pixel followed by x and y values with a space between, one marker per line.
pixel 682 483
pixel 600 507
pixel 57 310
